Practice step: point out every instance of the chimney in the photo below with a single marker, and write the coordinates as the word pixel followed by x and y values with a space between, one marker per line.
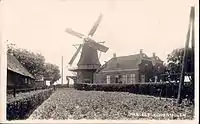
pixel 114 55
pixel 154 54
pixel 141 51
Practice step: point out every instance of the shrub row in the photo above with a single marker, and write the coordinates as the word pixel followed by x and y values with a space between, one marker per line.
pixel 22 107
pixel 168 90
pixel 63 86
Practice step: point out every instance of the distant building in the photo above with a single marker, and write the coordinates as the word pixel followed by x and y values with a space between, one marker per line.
pixel 74 78
pixel 40 83
pixel 130 69
pixel 17 75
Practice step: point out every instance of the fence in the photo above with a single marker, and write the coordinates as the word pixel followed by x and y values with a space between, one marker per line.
pixel 14 91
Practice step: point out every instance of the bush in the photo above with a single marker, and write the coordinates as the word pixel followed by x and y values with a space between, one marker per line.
pixel 22 107
pixel 168 90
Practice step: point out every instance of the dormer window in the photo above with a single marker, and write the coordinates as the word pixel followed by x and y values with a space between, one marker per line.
pixel 157 58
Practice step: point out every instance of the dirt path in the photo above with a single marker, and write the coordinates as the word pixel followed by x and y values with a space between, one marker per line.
pixel 74 104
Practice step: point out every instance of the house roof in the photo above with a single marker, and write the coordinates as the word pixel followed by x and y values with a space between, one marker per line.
pixel 15 66
pixel 130 62
pixel 124 62
pixel 156 59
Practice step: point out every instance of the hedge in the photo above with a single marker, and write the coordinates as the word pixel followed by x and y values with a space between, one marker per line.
pixel 168 90
pixel 22 107
pixel 63 86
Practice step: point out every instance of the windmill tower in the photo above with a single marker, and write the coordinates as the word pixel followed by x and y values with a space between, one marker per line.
pixel 89 61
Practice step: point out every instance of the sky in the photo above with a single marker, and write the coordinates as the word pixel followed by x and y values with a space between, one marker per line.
pixel 127 26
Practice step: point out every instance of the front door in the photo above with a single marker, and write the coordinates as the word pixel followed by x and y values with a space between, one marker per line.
pixel 116 79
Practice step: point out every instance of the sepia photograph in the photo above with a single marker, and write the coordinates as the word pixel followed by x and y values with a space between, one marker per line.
pixel 130 60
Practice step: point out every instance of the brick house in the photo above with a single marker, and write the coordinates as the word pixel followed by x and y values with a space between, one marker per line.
pixel 129 69
pixel 17 75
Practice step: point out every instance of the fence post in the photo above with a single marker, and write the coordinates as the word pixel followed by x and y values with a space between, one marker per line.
pixel 160 93
pixel 54 87
pixel 14 91
pixel 166 91
pixel 184 63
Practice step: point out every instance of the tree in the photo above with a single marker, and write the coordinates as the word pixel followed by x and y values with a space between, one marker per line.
pixel 33 62
pixel 52 72
pixel 175 60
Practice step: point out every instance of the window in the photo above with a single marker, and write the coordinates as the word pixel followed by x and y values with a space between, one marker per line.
pixel 124 79
pixel 158 68
pixel 142 78
pixel 25 81
pixel 128 78
pixel 116 78
pixel 156 78
pixel 29 81
pixel 108 79
pixel 132 78
pixel 120 79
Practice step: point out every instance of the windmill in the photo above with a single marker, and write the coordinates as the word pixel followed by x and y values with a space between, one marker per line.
pixel 89 61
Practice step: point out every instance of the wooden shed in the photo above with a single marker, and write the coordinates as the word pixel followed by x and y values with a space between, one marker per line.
pixel 17 75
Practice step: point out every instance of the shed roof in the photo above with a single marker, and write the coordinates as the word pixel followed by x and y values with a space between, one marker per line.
pixel 15 66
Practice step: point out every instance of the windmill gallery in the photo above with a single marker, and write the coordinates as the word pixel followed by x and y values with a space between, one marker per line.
pixel 124 69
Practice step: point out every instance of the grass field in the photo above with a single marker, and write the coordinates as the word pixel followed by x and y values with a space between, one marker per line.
pixel 73 104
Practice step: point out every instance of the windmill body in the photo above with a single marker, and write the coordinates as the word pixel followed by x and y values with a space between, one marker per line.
pixel 87 64
pixel 89 61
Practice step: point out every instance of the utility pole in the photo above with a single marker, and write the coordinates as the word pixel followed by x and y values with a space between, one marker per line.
pixel 193 39
pixel 184 63
pixel 62 70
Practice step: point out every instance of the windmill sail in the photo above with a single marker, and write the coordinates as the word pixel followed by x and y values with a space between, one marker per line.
pixel 75 54
pixel 70 31
pixel 96 24
pixel 88 40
